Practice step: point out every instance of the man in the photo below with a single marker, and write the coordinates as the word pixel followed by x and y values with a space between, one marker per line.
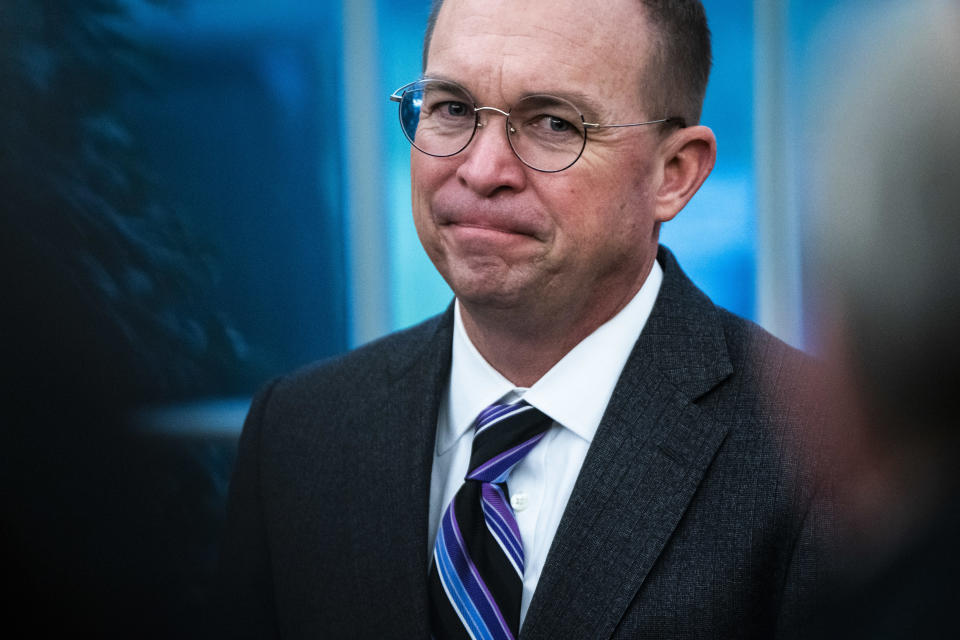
pixel 657 493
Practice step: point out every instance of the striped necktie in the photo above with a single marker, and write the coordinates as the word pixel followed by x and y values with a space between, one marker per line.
pixel 476 579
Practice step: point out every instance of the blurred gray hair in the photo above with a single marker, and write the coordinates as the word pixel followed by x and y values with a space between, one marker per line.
pixel 887 200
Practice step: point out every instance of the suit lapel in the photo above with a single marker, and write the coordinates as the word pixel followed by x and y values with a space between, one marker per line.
pixel 399 500
pixel 649 455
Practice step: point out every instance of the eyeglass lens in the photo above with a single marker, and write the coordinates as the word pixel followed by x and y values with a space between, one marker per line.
pixel 439 119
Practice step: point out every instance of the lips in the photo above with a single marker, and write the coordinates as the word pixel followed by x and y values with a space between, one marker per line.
pixel 487 219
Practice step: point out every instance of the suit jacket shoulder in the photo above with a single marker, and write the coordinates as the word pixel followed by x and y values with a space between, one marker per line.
pixel 370 368
pixel 328 504
pixel 693 513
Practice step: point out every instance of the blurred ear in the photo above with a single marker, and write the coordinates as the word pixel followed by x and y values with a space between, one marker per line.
pixel 688 155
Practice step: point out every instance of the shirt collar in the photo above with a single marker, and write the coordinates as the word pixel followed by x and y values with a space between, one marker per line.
pixel 574 392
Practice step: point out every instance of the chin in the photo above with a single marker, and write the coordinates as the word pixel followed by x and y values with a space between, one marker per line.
pixel 485 290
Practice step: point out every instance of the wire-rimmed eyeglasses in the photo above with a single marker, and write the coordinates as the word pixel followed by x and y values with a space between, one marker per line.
pixel 547 133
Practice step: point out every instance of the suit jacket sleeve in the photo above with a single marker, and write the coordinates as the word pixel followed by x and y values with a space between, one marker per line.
pixel 246 597
pixel 811 569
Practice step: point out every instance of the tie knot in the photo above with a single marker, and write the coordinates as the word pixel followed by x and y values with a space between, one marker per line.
pixel 505 434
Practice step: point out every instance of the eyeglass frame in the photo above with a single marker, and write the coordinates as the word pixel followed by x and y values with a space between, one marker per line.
pixel 397 96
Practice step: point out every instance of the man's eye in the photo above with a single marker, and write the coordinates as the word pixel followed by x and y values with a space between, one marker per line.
pixel 546 124
pixel 558 124
pixel 455 109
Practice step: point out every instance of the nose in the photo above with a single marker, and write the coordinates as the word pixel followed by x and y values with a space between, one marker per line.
pixel 490 166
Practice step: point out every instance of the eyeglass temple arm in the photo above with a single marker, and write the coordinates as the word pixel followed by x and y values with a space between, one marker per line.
pixel 676 119
pixel 397 96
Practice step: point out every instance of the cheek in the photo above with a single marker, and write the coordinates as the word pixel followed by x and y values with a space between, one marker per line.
pixel 587 209
pixel 418 177
pixel 422 185
pixel 602 221
pixel 427 176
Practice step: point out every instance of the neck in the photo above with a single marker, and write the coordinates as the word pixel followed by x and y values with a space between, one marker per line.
pixel 523 343
pixel 522 351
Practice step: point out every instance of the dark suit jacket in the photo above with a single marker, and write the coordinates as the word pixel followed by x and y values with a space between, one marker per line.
pixel 691 518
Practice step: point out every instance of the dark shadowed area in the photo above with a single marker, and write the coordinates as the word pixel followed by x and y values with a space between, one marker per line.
pixel 164 193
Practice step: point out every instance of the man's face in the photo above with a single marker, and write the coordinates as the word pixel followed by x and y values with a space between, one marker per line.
pixel 504 235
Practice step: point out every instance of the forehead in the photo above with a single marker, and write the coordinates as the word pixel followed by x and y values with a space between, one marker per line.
pixel 502 49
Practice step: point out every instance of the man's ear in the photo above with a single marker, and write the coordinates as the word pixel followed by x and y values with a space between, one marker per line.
pixel 688 155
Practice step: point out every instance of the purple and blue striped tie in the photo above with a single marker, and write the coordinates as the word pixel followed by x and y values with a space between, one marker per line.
pixel 476 579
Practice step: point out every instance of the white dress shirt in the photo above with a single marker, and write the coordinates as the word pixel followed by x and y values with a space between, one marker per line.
pixel 575 393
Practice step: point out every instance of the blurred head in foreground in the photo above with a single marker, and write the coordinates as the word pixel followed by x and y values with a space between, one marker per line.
pixel 886 176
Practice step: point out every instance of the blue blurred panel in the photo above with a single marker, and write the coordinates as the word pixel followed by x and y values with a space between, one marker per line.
pixel 417 289
pixel 238 128
pixel 714 238
pixel 819 30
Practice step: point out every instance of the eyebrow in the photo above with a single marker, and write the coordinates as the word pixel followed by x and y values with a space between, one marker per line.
pixel 586 103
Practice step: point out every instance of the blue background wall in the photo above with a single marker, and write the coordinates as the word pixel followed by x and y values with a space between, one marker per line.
pixel 266 130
